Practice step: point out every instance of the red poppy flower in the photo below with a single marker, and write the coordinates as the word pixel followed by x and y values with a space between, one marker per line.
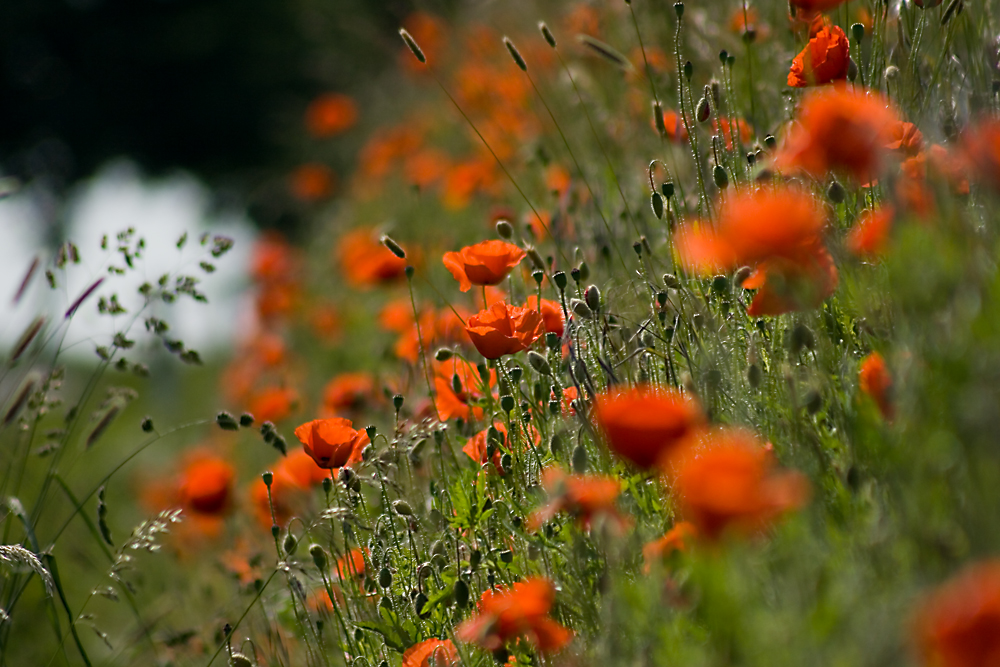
pixel 293 475
pixel 351 565
pixel 905 138
pixel 726 481
pixel 870 234
pixel 552 314
pixel 811 6
pixel 452 403
pixel 366 262
pixel 785 285
pixel 206 485
pixel 441 652
pixel 725 129
pixel 348 391
pixel 582 496
pixel 273 404
pixel 824 60
pixel 477 447
pixel 272 258
pixel 312 181
pixel 839 129
pixel 518 613
pixel 331 114
pixel 645 424
pixel 981 151
pixel 958 625
pixel 875 381
pixel 332 443
pixel 676 539
pixel 504 329
pixel 753 227
pixel 486 263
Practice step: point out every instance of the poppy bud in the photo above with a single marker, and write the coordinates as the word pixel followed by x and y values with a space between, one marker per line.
pixel 515 54
pixel 858 32
pixel 384 578
pixel 802 337
pixel 412 44
pixel 679 9
pixel 715 91
pixel 852 69
pixel 891 72
pixel 507 556
pixel 552 340
pixel 456 384
pixel 484 373
pixel 580 462
pixel 720 177
pixel 239 660
pixel 755 375
pixel 368 453
pixel 246 420
pixel 581 309
pixel 559 277
pixel 147 424
pixel 318 555
pixel 575 274
pixel 535 258
pixel 741 275
pixel 327 485
pixel 346 475
pixel 393 247
pixel 770 142
pixel 547 34
pixel 402 508
pixel 667 189
pixel 370 431
pixel 443 354
pixel 275 530
pixel 751 159
pixel 670 280
pixel 290 544
pixel 409 272
pixel 461 593
pixel 720 284
pixel 505 230
pixel 268 477
pixel 507 403
pixel 593 298
pixel 637 247
pixel 539 363
pixel 584 271
pixel 836 193
pixel 658 121
pixel 656 201
pixel 688 69
pixel 813 401
pixel 703 111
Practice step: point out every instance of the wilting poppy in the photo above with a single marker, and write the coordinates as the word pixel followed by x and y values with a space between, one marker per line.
pixel 726 480
pixel 677 538
pixel 787 284
pixel 753 227
pixel 504 329
pixel 430 653
pixel 581 496
pixel 206 485
pixel 330 114
pixel 644 424
pixel 332 443
pixel 485 263
pixel 824 59
pixel 870 234
pixel 958 624
pixel 875 381
pixel 348 391
pixel 312 181
pixel 520 612
pixel 839 129
pixel 366 262
pixel 552 314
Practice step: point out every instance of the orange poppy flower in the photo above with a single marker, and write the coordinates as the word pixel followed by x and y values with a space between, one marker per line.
pixel 673 125
pixel 426 167
pixel 875 381
pixel 677 538
pixel 466 178
pixel 272 259
pixel 437 328
pixel 454 404
pixel 206 485
pixel 312 181
pixel 396 316
pixel 870 235
pixel 273 404
pixel 366 262
pixel 520 612
pixel 504 329
pixel 292 476
pixel 811 6
pixel 753 227
pixel 786 284
pixel 839 129
pixel 645 424
pixel 330 114
pixel 441 652
pixel 958 624
pixel 725 128
pixel 980 149
pixel 348 391
pixel 583 496
pixel 385 147
pixel 325 321
pixel 726 481
pixel 332 443
pixel 905 138
pixel 552 314
pixel 485 263
pixel 741 22
pixel 824 60
pixel 557 179
pixel 352 564
pixel 477 447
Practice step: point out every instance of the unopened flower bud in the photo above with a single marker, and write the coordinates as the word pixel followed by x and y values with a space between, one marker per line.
pixel 667 189
pixel 384 578
pixel 679 9
pixel 593 298
pixel 290 544
pixel 581 309
pixel 507 403
pixel 443 354
pixel 852 69
pixel 268 477
pixel 836 193
pixel 754 375
pixel 402 508
pixel 671 281
pixel 741 275
pixel 539 363
pixel 319 556
pixel 505 230
pixel 703 111
pixel 656 201
pixel 891 72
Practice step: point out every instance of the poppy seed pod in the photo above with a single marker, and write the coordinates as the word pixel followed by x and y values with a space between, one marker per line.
pixel 559 277
pixel 858 32
pixel 679 9
pixel 667 189
pixel 507 403
pixel 593 298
